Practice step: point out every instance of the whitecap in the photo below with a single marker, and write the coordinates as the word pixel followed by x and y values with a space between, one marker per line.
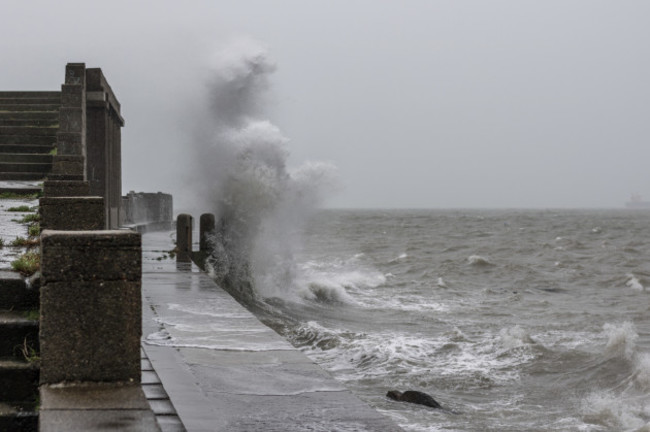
pixel 479 260
pixel 633 282
pixel 621 339
pixel 514 337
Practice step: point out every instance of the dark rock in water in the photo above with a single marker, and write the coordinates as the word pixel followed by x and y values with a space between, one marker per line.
pixel 413 396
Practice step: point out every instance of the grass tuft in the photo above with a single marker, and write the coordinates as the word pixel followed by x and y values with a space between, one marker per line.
pixel 32 217
pixel 22 241
pixel 28 263
pixel 34 230
pixel 22 208
pixel 30 354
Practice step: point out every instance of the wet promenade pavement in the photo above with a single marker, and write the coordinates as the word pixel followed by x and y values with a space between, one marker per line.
pixel 222 369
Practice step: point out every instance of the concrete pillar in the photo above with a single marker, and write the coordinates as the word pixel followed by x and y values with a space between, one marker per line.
pixel 91 312
pixel 103 135
pixel 68 176
pixel 206 228
pixel 184 224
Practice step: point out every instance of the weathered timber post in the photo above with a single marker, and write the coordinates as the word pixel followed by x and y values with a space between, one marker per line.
pixel 206 228
pixel 91 313
pixel 184 224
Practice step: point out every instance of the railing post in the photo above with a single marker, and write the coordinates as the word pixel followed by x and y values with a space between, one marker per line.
pixel 206 228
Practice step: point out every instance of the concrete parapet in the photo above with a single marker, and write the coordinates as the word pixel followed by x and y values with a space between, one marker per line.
pixel 91 288
pixel 184 224
pixel 72 213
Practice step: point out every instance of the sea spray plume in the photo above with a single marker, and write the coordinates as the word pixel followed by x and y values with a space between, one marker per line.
pixel 280 231
pixel 258 202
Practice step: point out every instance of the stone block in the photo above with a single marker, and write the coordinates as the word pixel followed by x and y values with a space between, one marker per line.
pixel 72 213
pixel 71 95
pixel 69 143
pixel 90 256
pixel 65 188
pixel 68 164
pixel 75 73
pixel 90 331
pixel 71 119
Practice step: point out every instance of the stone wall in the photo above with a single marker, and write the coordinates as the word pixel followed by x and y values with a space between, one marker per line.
pixel 148 211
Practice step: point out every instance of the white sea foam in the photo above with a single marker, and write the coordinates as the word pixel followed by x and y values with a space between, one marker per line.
pixel 621 339
pixel 642 371
pixel 479 260
pixel 633 282
pixel 514 337
pixel 614 412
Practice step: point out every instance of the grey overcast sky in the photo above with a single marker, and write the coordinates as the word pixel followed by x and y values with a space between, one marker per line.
pixel 457 103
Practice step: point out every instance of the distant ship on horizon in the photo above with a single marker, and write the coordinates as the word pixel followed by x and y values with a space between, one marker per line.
pixel 636 202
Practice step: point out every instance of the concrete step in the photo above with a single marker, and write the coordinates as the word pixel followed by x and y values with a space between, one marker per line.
pixel 17 334
pixel 26 107
pixel 30 122
pixel 22 167
pixel 26 148
pixel 18 381
pixel 52 100
pixel 22 176
pixel 29 94
pixel 33 158
pixel 29 139
pixel 17 418
pixel 14 293
pixel 29 130
pixel 29 115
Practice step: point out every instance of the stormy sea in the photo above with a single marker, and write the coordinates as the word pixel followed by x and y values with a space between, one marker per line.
pixel 513 320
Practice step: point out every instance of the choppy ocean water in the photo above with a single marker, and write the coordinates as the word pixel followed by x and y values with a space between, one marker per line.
pixel 518 320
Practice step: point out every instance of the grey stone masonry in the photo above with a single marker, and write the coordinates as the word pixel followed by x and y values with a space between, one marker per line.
pixel 73 213
pixel 90 306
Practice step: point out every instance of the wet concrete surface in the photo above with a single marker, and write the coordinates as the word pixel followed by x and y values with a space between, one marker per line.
pixel 223 369
pixel 11 228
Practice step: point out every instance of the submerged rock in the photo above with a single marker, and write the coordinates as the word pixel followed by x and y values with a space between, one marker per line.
pixel 413 396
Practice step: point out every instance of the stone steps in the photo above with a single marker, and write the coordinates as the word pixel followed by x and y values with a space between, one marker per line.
pixel 29 123
pixel 18 382
pixel 18 334
pixel 15 294
pixel 45 123
pixel 18 418
pixel 26 158
pixel 32 131
pixel 26 167
pixel 19 342
pixel 8 94
pixel 28 139
pixel 21 176
pixel 26 148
